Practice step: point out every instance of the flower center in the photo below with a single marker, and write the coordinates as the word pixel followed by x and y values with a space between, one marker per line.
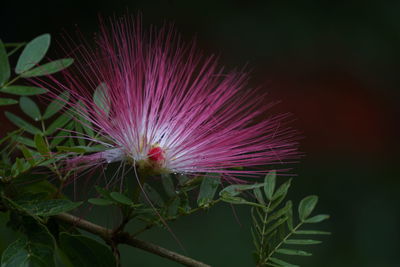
pixel 156 154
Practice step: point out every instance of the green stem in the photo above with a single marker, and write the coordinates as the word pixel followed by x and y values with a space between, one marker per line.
pixel 54 166
pixel 282 241
pixel 212 203
pixel 263 230
pixel 17 47
pixel 14 44
pixel 12 81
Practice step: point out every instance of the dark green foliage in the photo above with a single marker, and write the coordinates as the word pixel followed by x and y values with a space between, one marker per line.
pixel 58 124
pixel 121 199
pixel 35 202
pixel 86 252
pixel 274 232
pixel 4 65
pixel 208 188
pixel 107 198
pixel 27 66
pixel 168 185
pixel 24 252
pixel 49 207
pixel 230 194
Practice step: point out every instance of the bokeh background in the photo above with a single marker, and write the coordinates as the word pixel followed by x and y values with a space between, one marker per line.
pixel 334 65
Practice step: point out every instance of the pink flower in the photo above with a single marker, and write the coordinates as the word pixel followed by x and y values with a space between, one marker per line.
pixel 163 105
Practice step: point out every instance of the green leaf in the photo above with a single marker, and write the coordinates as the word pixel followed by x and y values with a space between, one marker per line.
pixel 234 200
pixel 37 232
pixel 238 200
pixel 36 249
pixel 301 242
pixel 22 123
pixel 81 149
pixel 33 53
pixel 317 218
pixel 79 133
pixel 93 148
pixel 61 136
pixel 25 253
pixel 281 212
pixel 50 207
pixel 23 90
pixel 86 252
pixel 23 140
pixel 103 192
pixel 269 184
pixel 311 232
pixel 182 179
pixel 13 206
pixel 27 154
pixel 7 101
pixel 86 125
pixel 35 184
pixel 74 149
pixel 100 201
pixel 184 205
pixel 275 203
pixel 30 108
pixel 56 105
pixel 282 190
pixel 294 252
pixel 258 195
pixel 275 225
pixel 19 167
pixel 49 68
pixel 41 145
pixel 168 185
pixel 256 240
pixel 306 206
pixel 61 259
pixel 100 99
pixel 4 65
pixel 153 195
pixel 237 189
pixel 289 214
pixel 120 198
pixel 173 207
pixel 282 263
pixel 57 124
pixel 208 188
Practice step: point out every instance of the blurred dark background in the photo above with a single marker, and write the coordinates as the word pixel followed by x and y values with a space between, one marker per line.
pixel 334 65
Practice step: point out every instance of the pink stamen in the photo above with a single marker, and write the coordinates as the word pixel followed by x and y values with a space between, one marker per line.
pixel 159 90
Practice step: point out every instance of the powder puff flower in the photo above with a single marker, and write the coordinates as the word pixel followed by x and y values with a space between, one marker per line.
pixel 163 106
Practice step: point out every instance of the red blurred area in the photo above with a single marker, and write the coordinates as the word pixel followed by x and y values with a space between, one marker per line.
pixel 336 113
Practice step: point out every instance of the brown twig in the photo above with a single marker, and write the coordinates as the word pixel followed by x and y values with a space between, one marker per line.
pixel 114 237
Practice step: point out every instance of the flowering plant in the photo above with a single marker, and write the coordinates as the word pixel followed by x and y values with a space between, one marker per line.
pixel 149 125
